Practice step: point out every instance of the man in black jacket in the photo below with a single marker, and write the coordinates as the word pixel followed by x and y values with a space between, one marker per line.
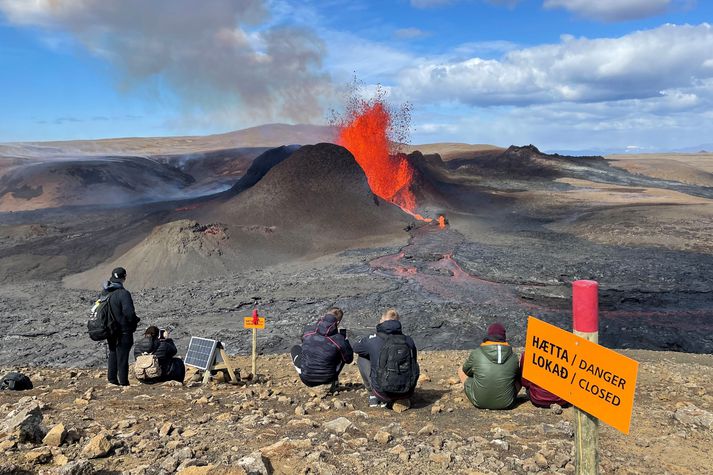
pixel 122 307
pixel 369 350
pixel 324 351
pixel 163 347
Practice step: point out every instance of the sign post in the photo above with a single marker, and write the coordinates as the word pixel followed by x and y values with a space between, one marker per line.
pixel 585 323
pixel 600 383
pixel 254 322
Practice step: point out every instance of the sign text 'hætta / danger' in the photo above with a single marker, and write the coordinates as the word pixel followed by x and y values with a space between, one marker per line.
pixel 595 379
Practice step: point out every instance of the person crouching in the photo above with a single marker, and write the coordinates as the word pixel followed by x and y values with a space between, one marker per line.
pixel 491 374
pixel 155 360
pixel 388 363
pixel 324 351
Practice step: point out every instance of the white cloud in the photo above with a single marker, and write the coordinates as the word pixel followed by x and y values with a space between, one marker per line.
pixel 225 55
pixel 638 65
pixel 410 33
pixel 612 10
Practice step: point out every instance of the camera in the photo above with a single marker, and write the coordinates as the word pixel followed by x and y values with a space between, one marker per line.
pixel 343 332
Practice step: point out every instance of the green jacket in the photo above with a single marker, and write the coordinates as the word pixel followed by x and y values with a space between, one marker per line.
pixel 493 376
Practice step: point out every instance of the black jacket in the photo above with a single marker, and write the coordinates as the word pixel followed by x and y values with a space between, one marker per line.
pixel 324 350
pixel 164 350
pixel 122 306
pixel 370 346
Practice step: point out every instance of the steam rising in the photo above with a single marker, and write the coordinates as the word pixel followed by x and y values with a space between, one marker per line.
pixel 222 56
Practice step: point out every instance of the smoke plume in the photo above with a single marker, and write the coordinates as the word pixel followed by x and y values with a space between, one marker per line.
pixel 221 56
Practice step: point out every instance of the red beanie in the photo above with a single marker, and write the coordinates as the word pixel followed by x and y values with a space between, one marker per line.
pixel 496 332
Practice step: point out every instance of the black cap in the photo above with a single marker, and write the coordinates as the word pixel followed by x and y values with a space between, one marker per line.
pixel 119 273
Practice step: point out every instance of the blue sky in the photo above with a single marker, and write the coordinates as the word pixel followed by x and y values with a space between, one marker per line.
pixel 561 74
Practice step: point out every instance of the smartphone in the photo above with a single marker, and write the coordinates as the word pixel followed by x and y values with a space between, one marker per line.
pixel 343 332
pixel 161 333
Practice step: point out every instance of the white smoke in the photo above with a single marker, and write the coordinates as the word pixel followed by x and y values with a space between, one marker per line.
pixel 223 57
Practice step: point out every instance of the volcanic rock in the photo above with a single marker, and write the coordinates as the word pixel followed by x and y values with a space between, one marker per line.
pixel 77 467
pixel 263 164
pixel 25 421
pixel 99 446
pixel 253 464
pixel 64 181
pixel 692 416
pixel 338 426
pixel 319 186
pixel 213 470
pixel 39 456
pixel 55 436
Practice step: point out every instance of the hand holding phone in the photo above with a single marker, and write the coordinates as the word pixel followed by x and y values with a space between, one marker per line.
pixel 343 332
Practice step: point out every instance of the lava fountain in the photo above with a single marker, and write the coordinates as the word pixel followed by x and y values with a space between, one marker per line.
pixel 366 129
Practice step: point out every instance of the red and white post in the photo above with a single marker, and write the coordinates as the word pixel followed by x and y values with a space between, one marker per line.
pixel 585 323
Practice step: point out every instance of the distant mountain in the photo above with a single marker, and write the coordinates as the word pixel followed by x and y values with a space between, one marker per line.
pixel 268 135
pixel 708 147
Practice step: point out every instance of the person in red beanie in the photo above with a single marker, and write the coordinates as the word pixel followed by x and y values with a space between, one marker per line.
pixel 491 374
pixel 538 396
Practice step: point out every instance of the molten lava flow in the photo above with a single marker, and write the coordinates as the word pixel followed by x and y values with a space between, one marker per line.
pixel 365 133
pixel 442 222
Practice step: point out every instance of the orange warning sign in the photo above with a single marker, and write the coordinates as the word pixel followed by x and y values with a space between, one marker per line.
pixel 248 322
pixel 596 379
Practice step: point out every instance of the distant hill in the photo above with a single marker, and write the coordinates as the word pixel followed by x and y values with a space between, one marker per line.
pixel 269 135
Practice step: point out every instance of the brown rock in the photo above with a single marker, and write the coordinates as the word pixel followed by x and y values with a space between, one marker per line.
pixel 435 409
pixel 383 437
pixel 7 445
pixel 443 458
pixel 428 429
pixel 55 436
pixel 213 470
pixel 39 456
pixel 402 405
pixel 99 446
pixel 165 429
pixel 540 460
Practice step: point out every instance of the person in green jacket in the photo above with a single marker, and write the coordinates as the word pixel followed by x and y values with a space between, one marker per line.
pixel 491 374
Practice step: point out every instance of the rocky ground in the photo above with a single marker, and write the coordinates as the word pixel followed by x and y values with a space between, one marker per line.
pixel 72 423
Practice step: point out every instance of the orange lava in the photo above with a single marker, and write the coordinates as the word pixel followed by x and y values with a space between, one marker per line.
pixel 365 133
pixel 442 222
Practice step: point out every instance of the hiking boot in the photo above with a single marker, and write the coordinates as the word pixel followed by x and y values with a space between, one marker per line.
pixel 376 402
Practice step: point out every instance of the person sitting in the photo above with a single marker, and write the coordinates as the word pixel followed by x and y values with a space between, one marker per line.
pixel 388 362
pixel 324 351
pixel 491 374
pixel 539 397
pixel 158 343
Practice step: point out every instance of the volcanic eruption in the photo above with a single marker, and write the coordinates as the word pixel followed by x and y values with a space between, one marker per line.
pixel 372 131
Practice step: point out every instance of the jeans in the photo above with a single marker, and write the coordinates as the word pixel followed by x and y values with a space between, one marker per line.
pixel 119 349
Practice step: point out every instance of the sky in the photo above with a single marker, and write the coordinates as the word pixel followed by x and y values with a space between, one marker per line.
pixel 633 75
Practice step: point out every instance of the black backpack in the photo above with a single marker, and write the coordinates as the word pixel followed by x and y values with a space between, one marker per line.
pixel 398 371
pixel 15 382
pixel 102 323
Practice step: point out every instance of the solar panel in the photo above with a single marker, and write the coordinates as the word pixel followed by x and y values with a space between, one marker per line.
pixel 201 352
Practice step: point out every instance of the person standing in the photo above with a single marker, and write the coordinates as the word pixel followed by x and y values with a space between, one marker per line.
pixel 388 362
pixel 491 374
pixel 121 305
pixel 324 351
